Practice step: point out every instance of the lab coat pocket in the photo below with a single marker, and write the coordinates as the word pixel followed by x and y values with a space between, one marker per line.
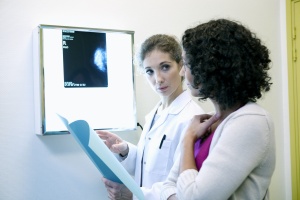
pixel 159 159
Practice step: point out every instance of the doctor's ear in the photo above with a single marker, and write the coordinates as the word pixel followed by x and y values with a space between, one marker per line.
pixel 182 71
pixel 180 64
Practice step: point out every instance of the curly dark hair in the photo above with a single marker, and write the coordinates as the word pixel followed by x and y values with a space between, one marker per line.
pixel 165 43
pixel 229 62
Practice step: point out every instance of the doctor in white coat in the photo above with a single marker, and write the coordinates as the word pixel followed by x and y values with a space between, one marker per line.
pixel 153 157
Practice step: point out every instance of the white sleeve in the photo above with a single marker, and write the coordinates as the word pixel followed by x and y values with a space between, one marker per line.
pixel 129 162
pixel 169 186
pixel 152 193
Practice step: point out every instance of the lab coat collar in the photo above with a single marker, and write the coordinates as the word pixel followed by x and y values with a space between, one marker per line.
pixel 176 106
pixel 179 103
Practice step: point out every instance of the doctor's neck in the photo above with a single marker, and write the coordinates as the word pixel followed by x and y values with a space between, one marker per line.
pixel 166 101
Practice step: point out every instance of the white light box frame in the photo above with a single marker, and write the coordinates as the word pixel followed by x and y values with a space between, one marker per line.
pixel 83 73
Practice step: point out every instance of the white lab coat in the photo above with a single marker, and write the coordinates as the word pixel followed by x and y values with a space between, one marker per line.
pixel 157 162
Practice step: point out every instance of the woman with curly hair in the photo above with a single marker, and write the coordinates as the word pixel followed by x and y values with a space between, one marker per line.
pixel 231 154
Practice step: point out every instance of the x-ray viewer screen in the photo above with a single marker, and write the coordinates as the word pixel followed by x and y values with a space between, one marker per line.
pixel 88 75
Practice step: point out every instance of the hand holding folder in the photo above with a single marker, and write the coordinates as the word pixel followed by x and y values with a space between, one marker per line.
pixel 101 156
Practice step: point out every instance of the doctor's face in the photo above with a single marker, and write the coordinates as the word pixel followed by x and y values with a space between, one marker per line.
pixel 162 73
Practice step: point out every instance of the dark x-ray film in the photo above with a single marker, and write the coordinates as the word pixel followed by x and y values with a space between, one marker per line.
pixel 84 59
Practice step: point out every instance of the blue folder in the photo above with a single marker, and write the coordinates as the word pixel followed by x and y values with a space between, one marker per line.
pixel 101 156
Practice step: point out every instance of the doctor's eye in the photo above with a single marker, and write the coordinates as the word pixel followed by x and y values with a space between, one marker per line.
pixel 149 72
pixel 165 67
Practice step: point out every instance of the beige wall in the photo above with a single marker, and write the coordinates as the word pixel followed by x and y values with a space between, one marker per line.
pixel 54 167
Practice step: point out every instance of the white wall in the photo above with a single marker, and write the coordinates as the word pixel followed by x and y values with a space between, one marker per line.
pixel 54 167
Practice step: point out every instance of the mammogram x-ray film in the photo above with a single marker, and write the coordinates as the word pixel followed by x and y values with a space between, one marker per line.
pixel 84 58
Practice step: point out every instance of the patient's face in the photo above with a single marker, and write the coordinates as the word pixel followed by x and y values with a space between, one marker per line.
pixel 189 78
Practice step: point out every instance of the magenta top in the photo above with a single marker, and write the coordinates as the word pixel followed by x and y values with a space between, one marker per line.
pixel 201 150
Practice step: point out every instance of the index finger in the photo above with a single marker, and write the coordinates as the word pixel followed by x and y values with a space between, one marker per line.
pixel 204 117
pixel 211 120
pixel 102 134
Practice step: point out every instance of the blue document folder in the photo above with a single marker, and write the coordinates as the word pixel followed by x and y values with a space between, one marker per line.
pixel 101 156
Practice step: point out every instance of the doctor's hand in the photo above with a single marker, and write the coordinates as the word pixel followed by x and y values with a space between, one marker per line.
pixel 117 191
pixel 113 142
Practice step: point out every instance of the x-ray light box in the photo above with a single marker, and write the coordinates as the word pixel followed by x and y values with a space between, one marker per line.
pixel 83 73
